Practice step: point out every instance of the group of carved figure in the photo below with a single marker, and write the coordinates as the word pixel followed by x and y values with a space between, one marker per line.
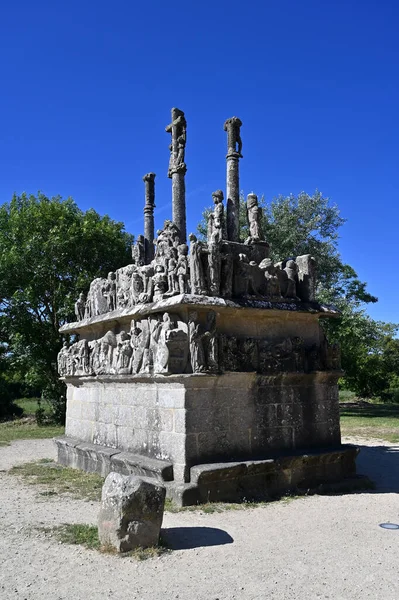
pixel 216 268
pixel 164 344
pixel 158 344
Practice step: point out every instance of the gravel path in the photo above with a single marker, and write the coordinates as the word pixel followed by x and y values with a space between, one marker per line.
pixel 309 548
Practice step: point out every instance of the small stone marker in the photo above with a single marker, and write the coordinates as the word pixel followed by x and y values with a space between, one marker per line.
pixel 131 512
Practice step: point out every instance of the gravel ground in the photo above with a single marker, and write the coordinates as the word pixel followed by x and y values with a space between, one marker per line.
pixel 308 548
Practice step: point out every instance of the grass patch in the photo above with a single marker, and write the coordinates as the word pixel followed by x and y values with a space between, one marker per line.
pixel 347 396
pixel 27 429
pixel 370 420
pixel 87 536
pixel 60 480
pixel 30 406
pixel 78 534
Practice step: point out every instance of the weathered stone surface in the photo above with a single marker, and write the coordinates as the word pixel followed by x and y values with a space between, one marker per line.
pixel 131 512
pixel 149 180
pixel 207 354
pixel 177 170
pixel 234 146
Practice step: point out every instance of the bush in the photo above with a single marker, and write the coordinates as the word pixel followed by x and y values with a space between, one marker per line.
pixel 8 410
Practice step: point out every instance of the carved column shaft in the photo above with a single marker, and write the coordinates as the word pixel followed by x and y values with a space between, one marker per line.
pixel 149 181
pixel 179 204
pixel 232 127
pixel 233 198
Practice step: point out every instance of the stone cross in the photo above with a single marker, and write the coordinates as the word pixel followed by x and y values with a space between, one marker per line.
pixel 234 147
pixel 149 180
pixel 177 170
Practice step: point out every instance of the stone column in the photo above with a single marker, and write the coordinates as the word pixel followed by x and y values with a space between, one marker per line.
pixel 234 146
pixel 177 170
pixel 179 204
pixel 149 180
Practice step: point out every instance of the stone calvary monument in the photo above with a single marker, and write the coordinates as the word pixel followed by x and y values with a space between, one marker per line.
pixel 203 364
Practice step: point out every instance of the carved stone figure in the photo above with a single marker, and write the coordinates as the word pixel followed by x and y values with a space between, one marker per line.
pixel 291 269
pixel 197 279
pixel 173 285
pixel 241 276
pixel 182 268
pixel 80 306
pixel 160 283
pixel 181 146
pixel 210 340
pixel 138 251
pixel 122 299
pixel 330 355
pixel 298 352
pixel 226 278
pixel 282 278
pixel 95 364
pixel 257 281
pixel 282 353
pixel 161 359
pixel 107 345
pixel 216 220
pixel 197 355
pixel 124 354
pixel 63 361
pixel 248 350
pixel 254 216
pixel 161 244
pixel 214 264
pixel 147 273
pixel 137 287
pixel 231 354
pixel 267 362
pixel 272 281
pixel 138 344
pixel 306 277
pixel 123 285
pixel 178 129
pixel 176 339
pixel 81 358
pixel 96 303
pixel 234 142
pixel 110 291
pixel 313 359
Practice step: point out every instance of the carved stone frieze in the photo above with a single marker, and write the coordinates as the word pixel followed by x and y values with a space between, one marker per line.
pixel 164 343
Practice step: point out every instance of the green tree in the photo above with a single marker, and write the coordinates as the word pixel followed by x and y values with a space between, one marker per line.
pixel 50 250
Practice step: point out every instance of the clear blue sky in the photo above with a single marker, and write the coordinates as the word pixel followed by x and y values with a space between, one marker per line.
pixel 87 89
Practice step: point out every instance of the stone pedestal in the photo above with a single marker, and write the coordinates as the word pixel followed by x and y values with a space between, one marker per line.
pixel 242 426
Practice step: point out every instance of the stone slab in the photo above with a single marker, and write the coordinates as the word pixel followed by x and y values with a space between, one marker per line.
pixel 190 300
pixel 94 458
pixel 324 471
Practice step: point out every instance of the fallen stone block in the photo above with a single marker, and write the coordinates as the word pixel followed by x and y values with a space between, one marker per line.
pixel 131 512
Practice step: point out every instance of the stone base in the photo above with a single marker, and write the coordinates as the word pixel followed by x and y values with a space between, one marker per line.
pixel 228 481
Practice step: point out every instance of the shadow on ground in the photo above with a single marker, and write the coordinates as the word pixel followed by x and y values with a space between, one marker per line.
pixel 381 465
pixel 369 410
pixel 185 538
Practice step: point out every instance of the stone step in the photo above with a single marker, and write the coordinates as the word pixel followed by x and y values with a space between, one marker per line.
pixel 94 458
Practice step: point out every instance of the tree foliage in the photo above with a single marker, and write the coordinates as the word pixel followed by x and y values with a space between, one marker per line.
pixel 310 224
pixel 50 250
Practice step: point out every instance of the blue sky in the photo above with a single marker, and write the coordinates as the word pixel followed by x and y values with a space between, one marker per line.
pixel 87 89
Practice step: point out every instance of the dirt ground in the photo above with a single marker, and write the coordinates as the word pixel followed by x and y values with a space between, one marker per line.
pixel 308 548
